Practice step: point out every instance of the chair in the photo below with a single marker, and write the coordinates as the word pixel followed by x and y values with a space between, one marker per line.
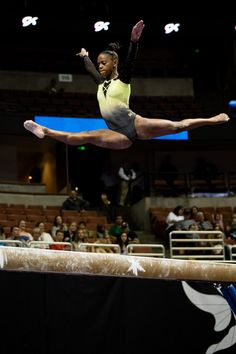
pixel 13 210
pixel 17 206
pixel 35 207
pixel 68 215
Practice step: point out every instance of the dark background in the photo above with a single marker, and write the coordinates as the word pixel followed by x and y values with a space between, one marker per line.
pixel 48 313
pixel 203 47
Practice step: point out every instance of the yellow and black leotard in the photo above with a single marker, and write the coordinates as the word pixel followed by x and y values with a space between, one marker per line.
pixel 113 95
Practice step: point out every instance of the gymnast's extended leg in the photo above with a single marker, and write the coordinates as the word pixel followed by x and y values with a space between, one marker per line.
pixel 148 128
pixel 102 137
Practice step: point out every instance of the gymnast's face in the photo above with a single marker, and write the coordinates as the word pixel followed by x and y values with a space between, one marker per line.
pixel 107 66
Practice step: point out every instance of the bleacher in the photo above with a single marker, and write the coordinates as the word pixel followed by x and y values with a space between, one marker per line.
pixel 11 214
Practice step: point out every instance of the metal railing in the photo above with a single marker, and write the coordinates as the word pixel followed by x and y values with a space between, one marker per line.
pixel 39 244
pixel 11 243
pixel 99 247
pixel 232 252
pixel 146 249
pixel 202 245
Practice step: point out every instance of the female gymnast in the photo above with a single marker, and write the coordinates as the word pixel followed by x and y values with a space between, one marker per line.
pixel 113 93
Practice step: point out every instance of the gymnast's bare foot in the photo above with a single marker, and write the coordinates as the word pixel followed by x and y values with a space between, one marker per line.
pixel 220 118
pixel 34 128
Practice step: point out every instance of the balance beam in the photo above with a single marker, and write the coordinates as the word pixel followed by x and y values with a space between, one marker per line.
pixel 42 260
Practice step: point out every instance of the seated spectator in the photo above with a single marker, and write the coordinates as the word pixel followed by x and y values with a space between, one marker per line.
pixel 75 202
pixel 123 242
pixel 193 227
pixel 184 224
pixel 36 237
pixel 45 236
pixel 102 231
pixel 2 234
pixel 231 229
pixel 194 211
pixel 218 246
pixel 24 235
pixel 217 219
pixel 59 237
pixel 36 233
pixel 203 222
pixel 132 235
pixel 52 90
pixel 85 233
pixel 103 249
pixel 58 224
pixel 116 228
pixel 70 235
pixel 14 235
pixel 172 221
pixel 174 217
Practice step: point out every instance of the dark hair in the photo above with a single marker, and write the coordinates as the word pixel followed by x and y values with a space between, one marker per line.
pixel 177 209
pixel 112 50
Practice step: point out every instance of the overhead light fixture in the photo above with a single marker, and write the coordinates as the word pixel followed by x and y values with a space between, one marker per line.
pixel 29 20
pixel 171 27
pixel 101 25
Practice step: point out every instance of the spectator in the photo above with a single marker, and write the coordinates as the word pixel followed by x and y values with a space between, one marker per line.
pixel 123 242
pixel 109 184
pixel 127 175
pixel 52 90
pixel 2 234
pixel 24 235
pixel 102 231
pixel 174 217
pixel 59 237
pixel 218 219
pixel 187 221
pixel 58 224
pixel 107 207
pixel 75 202
pixel 172 220
pixel 203 222
pixel 116 228
pixel 70 235
pixel 45 236
pixel 131 234
pixel 194 211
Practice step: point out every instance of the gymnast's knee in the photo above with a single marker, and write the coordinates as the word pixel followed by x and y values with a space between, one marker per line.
pixel 180 126
pixel 71 140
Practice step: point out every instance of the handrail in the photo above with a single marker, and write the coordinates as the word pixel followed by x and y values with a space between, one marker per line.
pixel 210 248
pixel 159 247
pixel 232 252
pixel 84 246
pixel 32 243
pixel 16 242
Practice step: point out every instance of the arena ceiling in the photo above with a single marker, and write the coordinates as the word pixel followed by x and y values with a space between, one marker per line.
pixel 63 27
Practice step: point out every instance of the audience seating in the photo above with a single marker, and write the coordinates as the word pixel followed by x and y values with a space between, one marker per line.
pixel 157 217
pixel 10 215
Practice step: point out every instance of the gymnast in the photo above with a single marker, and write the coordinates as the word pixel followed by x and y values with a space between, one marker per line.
pixel 113 94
